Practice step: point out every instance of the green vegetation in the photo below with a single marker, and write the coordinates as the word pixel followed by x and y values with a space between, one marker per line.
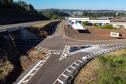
pixel 114 70
pixel 18 11
pixel 85 23
pixel 54 13
pixel 5 69
pixel 106 69
pixel 26 6
pixel 108 26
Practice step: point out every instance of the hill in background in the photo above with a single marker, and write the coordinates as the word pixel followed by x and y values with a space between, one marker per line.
pixel 54 13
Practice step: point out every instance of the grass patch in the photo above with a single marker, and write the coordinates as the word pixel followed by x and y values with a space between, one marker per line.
pixel 106 27
pixel 112 70
pixel 5 69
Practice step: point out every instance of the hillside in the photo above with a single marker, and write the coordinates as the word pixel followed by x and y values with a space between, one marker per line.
pixel 16 56
pixel 15 12
pixel 107 69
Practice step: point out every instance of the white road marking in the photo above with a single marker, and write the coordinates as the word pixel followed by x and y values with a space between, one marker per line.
pixel 68 70
pixel 90 55
pixel 35 68
pixel 56 53
pixel 76 64
pixel 60 81
pixel 72 67
pixel 65 52
pixel 64 75
pixel 80 61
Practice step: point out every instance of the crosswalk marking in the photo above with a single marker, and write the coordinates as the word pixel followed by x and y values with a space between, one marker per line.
pixel 80 61
pixel 68 70
pixel 64 75
pixel 91 56
pixel 42 50
pixel 76 63
pixel 72 67
pixel 60 81
pixel 65 53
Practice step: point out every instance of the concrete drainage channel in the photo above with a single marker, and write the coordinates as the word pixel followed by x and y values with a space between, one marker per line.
pixel 69 74
pixel 32 72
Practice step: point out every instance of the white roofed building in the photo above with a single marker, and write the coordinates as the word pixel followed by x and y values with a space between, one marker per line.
pixel 78 19
pixel 88 20
pixel 99 21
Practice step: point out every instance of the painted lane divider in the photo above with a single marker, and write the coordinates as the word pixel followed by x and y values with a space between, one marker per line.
pixel 26 76
pixel 33 71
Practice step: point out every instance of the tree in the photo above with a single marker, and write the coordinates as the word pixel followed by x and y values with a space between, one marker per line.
pixel 6 2
pixel 54 13
pixel 31 7
pixel 85 23
pixel 23 4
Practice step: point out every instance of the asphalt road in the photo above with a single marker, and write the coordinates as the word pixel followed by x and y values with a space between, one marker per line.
pixel 54 67
pixel 4 27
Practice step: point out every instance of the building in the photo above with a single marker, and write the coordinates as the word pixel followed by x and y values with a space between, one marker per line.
pixel 115 24
pixel 101 22
pixel 77 25
pixel 77 19
pixel 119 24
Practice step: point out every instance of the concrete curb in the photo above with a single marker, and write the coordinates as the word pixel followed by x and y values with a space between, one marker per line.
pixel 75 67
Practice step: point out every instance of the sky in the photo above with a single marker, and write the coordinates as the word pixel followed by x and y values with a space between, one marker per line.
pixel 79 4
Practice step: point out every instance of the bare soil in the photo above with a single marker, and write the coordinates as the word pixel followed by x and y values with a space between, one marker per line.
pixel 93 34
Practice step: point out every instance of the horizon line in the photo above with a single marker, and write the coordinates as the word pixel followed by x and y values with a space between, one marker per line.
pixel 81 9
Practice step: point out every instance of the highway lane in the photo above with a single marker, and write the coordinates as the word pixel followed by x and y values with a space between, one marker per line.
pixel 53 68
pixel 4 27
